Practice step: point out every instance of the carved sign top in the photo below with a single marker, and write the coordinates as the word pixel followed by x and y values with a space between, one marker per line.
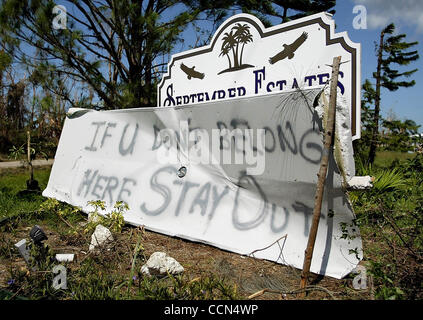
pixel 246 59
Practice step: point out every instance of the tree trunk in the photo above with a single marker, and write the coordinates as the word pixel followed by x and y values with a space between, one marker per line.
pixel 285 11
pixel 148 86
pixel 28 150
pixel 375 133
pixel 327 149
pixel 135 61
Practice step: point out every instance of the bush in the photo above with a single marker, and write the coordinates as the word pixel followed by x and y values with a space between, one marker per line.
pixel 391 220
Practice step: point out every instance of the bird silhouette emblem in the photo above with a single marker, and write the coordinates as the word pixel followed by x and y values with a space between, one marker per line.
pixel 191 73
pixel 289 49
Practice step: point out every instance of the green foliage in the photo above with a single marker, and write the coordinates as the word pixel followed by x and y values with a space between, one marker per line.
pixel 386 159
pixel 88 283
pixel 401 135
pixel 40 114
pixel 180 288
pixel 41 257
pixel 58 208
pixel 18 152
pixel 37 283
pixel 33 285
pixel 114 220
pixel 387 180
pixel 397 135
pixel 114 50
pixel 361 146
pixel 390 51
pixel 395 49
pixel 390 217
pixel 5 60
pixel 388 291
pixel 11 202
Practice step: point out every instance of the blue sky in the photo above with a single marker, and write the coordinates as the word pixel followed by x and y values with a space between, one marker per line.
pixel 406 103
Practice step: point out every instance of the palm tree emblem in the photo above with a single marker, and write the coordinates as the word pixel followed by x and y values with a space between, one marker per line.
pixel 234 43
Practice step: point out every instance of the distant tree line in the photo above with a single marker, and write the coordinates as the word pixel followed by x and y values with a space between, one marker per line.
pixel 393 52
pixel 111 55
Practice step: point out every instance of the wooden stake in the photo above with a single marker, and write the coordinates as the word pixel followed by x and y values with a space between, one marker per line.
pixel 28 134
pixel 328 143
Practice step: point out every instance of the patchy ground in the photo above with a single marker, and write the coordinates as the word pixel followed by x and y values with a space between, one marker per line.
pixel 390 217
pixel 214 272
pixel 245 275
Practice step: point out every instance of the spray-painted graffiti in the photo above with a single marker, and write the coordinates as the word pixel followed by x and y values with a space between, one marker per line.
pixel 204 197
pixel 253 189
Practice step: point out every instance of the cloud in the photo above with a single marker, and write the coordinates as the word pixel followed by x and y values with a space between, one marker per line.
pixel 380 13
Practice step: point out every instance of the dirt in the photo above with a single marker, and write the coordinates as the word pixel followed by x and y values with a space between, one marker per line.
pixel 250 275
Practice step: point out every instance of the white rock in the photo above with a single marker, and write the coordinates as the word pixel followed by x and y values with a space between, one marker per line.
pixel 360 183
pixel 100 237
pixel 23 250
pixel 65 257
pixel 160 263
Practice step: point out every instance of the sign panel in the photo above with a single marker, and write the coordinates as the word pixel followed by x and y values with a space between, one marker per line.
pixel 246 59
pixel 239 174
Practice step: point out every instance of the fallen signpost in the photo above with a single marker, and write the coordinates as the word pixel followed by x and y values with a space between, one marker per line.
pixel 327 149
pixel 229 157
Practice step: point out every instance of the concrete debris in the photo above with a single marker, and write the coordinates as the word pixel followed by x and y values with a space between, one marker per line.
pixel 343 144
pixel 65 257
pixel 25 253
pixel 344 152
pixel 37 235
pixel 23 250
pixel 160 263
pixel 100 237
pixel 360 183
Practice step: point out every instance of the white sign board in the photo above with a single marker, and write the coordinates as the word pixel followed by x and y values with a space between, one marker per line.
pixel 246 206
pixel 246 59
pixel 231 158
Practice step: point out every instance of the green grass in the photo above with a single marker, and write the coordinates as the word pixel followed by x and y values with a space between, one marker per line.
pixel 390 217
pixel 99 277
pixel 14 181
pixel 384 159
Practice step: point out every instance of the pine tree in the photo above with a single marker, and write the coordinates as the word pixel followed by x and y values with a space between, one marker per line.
pixel 116 49
pixel 112 47
pixel 392 50
pixel 361 146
